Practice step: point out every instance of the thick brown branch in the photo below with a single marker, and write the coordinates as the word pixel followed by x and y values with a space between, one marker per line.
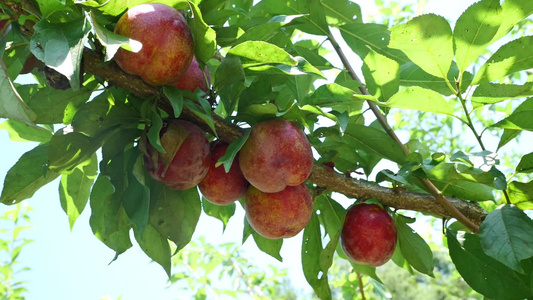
pixel 322 176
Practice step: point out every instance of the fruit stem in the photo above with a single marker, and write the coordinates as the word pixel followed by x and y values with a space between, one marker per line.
pixel 433 190
pixel 361 286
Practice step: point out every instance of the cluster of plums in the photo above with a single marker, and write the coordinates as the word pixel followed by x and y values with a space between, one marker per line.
pixel 269 171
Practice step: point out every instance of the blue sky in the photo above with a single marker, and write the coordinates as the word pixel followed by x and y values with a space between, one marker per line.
pixel 75 265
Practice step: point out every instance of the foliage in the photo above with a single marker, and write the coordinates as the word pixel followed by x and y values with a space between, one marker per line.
pixel 210 270
pixel 224 270
pixel 275 59
pixel 14 221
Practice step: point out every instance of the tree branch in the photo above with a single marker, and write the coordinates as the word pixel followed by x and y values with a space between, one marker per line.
pixel 452 210
pixel 468 213
pixel 321 176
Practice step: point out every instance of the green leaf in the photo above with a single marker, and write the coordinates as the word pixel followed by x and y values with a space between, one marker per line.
pixel 48 7
pixel 421 99
pixel 500 181
pixel 415 250
pixel 21 132
pixel 174 214
pixel 108 7
pixel 226 36
pixel 229 72
pixel 303 67
pixel 177 4
pixel 526 164
pixel 507 136
pixel 203 115
pixel 517 120
pixel 413 75
pixel 382 75
pixel 155 246
pixel 342 12
pixel 154 131
pixel 204 36
pixel 313 270
pixel 113 41
pixel 221 212
pixel 109 222
pixel 330 213
pixel 490 93
pixel 27 176
pixel 255 53
pixel 375 141
pixel 175 97
pixel 136 198
pixel 75 188
pixel 56 106
pixel 475 30
pixel 60 46
pixel 465 183
pixel 427 41
pixel 11 104
pixel 307 21
pixel 268 246
pixel 336 97
pixel 363 37
pixel 317 16
pixel 14 57
pixel 505 235
pixel 510 134
pixel 232 151
pixel 67 150
pixel 510 58
pixel 90 115
pixel 261 32
pixel 521 194
pixel 484 274
pixel 400 261
pixel 310 51
pixel 513 11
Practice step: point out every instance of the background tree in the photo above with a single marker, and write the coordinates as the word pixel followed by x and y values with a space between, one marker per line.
pixel 268 61
pixel 14 221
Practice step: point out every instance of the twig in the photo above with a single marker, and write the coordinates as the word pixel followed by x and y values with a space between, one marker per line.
pixel 241 275
pixel 361 286
pixel 375 109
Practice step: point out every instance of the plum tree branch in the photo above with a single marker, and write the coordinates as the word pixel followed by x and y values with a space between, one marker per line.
pixel 430 187
pixel 467 213
pixel 321 176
